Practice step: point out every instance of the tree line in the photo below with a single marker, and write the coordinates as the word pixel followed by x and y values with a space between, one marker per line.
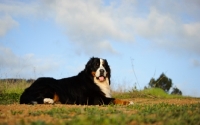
pixel 15 80
pixel 164 83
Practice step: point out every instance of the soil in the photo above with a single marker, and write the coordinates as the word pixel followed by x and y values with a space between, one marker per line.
pixel 14 113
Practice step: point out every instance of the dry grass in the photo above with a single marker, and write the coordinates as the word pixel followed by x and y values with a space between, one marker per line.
pixel 144 111
pixel 151 106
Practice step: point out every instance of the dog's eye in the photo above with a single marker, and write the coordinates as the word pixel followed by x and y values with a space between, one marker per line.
pixel 97 64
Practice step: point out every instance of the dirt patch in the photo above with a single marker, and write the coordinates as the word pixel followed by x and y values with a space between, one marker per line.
pixel 180 101
pixel 22 114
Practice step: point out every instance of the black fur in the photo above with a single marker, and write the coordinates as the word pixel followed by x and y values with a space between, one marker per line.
pixel 79 89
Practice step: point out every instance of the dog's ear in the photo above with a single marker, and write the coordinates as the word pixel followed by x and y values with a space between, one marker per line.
pixel 88 65
pixel 107 67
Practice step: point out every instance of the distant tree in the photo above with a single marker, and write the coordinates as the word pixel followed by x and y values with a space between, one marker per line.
pixel 162 82
pixel 145 87
pixel 152 83
pixel 176 91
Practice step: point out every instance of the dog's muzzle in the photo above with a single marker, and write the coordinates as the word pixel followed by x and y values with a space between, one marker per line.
pixel 101 74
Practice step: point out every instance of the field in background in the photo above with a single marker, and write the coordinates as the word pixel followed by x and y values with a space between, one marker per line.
pixel 10 91
pixel 151 106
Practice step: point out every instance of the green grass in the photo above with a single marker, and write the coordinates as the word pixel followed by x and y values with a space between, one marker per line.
pixel 13 112
pixel 10 92
pixel 13 87
pixel 161 113
pixel 159 93
pixel 147 93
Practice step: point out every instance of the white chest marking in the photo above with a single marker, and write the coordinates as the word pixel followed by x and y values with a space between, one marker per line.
pixel 104 86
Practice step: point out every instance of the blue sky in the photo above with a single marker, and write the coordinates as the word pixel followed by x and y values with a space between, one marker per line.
pixel 57 38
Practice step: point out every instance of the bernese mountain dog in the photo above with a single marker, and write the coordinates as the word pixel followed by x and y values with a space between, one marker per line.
pixel 90 87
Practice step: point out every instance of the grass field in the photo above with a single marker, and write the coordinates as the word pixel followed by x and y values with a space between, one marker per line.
pixel 151 106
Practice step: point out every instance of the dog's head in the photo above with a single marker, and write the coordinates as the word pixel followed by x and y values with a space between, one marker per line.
pixel 98 68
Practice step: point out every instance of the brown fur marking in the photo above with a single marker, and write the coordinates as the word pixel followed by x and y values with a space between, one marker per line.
pixel 55 98
pixel 121 102
pixel 93 74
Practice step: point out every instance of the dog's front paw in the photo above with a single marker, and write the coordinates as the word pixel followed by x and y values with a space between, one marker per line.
pixel 48 101
pixel 128 103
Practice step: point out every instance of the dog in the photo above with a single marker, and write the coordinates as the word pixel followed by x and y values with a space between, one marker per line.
pixel 90 87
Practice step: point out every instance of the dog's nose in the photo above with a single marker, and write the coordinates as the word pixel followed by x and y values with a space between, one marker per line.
pixel 101 71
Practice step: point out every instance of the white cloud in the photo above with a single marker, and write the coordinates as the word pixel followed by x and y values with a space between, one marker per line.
pixel 191 38
pixel 89 22
pixel 6 23
pixel 27 66
pixel 30 9
pixel 178 9
pixel 192 30
pixel 167 30
pixel 154 26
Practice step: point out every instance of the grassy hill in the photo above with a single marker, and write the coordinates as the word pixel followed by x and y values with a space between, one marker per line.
pixel 151 106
